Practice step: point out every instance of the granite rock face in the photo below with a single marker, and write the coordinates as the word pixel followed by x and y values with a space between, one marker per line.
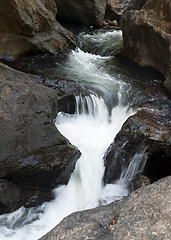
pixel 28 27
pixel 145 214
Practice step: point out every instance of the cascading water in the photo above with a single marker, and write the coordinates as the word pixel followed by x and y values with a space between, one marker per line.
pixel 92 128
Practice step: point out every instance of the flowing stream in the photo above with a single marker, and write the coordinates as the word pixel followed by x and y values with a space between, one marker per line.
pixel 92 128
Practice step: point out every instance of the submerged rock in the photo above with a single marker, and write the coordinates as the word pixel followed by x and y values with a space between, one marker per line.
pixel 88 12
pixel 147 35
pixel 31 27
pixel 148 132
pixel 145 214
pixel 33 154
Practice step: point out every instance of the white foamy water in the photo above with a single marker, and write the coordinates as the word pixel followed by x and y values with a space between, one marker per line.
pixel 92 128
pixel 91 65
pixel 103 43
pixel 91 133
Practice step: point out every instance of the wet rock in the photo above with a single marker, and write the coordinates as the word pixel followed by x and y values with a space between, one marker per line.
pixel 11 197
pixel 147 133
pixel 111 24
pixel 146 30
pixel 88 12
pixel 141 181
pixel 31 27
pixel 167 84
pixel 115 8
pixel 33 153
pixel 67 90
pixel 90 224
pixel 145 214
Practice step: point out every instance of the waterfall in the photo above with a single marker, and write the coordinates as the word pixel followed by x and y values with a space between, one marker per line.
pixel 92 129
pixel 112 192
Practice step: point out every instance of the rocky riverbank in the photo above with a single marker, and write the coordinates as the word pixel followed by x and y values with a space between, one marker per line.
pixel 35 157
pixel 145 214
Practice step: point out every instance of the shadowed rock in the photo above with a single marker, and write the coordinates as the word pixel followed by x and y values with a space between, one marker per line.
pixel 33 154
pixel 115 8
pixel 147 36
pixel 31 27
pixel 148 129
pixel 88 12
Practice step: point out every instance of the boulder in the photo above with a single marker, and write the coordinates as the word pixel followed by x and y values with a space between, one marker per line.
pixel 28 27
pixel 88 12
pixel 145 214
pixel 92 224
pixel 144 136
pixel 67 90
pixel 33 154
pixel 115 8
pixel 147 35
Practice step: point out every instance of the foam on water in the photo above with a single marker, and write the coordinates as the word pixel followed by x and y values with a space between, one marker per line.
pixel 91 133
pixel 103 43
pixel 92 128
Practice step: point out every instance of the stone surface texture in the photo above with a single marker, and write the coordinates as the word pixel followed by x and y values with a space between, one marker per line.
pixel 33 154
pixel 148 133
pixel 147 36
pixel 115 8
pixel 145 214
pixel 28 27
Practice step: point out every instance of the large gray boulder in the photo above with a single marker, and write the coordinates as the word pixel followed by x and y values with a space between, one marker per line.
pixel 147 36
pixel 31 27
pixel 145 214
pixel 33 154
pixel 88 12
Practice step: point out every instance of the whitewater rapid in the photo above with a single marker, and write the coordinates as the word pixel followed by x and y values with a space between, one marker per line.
pixel 92 128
